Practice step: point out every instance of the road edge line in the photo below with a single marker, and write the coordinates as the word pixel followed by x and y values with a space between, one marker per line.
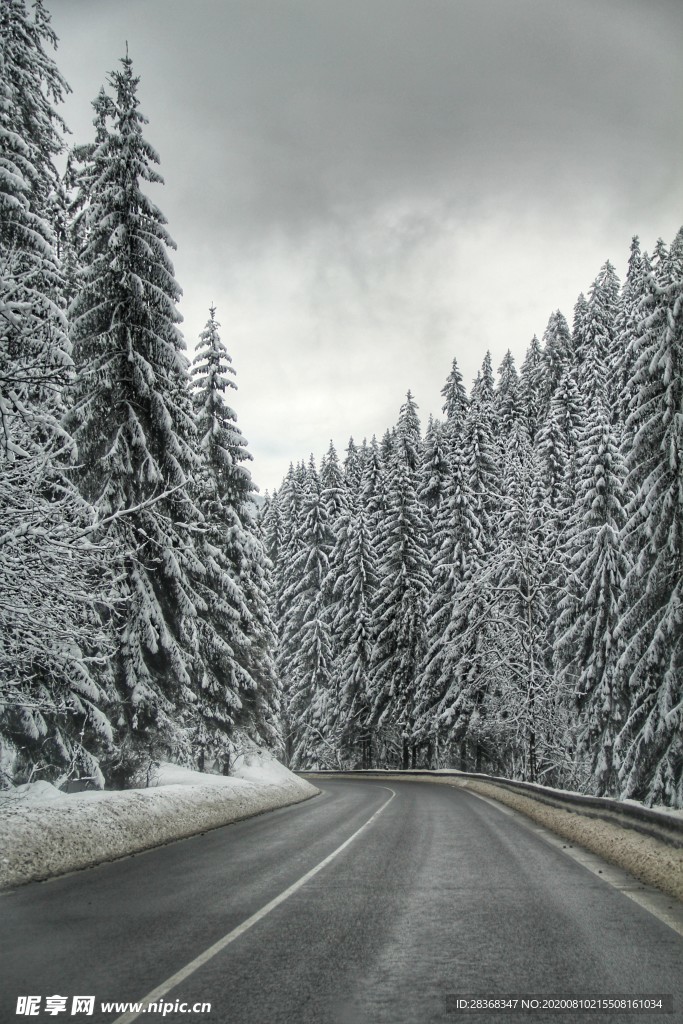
pixel 175 979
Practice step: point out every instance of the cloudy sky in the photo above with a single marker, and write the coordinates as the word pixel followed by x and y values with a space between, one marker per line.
pixel 367 188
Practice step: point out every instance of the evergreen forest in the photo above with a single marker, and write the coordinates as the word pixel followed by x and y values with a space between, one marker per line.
pixel 500 592
pixel 505 593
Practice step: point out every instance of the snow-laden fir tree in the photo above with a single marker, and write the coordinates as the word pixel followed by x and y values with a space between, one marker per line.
pixel 352 606
pixel 455 402
pixel 238 681
pixel 312 697
pixel 585 645
pixel 481 452
pixel 627 331
pixel 520 708
pixel 442 700
pixel 434 473
pixel 558 353
pixel 650 742
pixel 52 723
pixel 507 402
pixel 532 387
pixel 133 420
pixel 400 635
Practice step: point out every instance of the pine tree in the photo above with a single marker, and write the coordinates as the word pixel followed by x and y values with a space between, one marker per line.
pixel 434 467
pixel 33 85
pixel 353 598
pixel 579 328
pixel 558 352
pixel 585 648
pixel 402 593
pixel 480 447
pixel 132 418
pixel 507 401
pixel 235 633
pixel 600 349
pixel 628 326
pixel 650 743
pixel 455 402
pixel 53 722
pixel 312 700
pixel 522 709
pixel 439 711
pixel 558 443
pixel 532 387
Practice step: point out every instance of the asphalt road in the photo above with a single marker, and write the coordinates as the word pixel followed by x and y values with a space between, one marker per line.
pixel 440 897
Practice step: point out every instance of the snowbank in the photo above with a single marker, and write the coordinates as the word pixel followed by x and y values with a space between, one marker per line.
pixel 44 832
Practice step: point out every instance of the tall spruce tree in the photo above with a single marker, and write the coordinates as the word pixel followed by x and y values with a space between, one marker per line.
pixel 650 742
pixel 353 599
pixel 53 722
pixel 400 635
pixel 585 647
pixel 442 702
pixel 312 697
pixel 235 633
pixel 133 421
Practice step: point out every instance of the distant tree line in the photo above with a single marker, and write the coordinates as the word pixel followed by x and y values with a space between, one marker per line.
pixel 504 594
pixel 134 616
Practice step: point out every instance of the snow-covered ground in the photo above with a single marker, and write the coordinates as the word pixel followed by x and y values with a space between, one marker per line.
pixel 44 832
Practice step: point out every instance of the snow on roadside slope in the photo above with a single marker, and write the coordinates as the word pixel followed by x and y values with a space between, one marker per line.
pixel 44 832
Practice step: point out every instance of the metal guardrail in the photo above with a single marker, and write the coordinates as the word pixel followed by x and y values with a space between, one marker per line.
pixel 657 824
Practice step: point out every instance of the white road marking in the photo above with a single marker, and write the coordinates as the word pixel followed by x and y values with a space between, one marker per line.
pixel 165 987
pixel 665 908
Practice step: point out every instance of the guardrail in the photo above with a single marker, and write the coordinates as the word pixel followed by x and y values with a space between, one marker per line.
pixel 657 824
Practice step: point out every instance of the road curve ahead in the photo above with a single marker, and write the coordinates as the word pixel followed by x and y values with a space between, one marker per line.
pixel 356 907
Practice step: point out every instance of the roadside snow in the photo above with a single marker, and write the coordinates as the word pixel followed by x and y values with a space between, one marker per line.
pixel 44 832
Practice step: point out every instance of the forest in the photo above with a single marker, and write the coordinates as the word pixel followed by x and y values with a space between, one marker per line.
pixel 501 593
pixel 504 594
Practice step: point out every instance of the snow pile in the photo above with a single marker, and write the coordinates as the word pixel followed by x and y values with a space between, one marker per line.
pixel 44 832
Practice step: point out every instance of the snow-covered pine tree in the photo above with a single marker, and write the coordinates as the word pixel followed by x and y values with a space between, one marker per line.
pixel 434 473
pixel 519 707
pixel 650 743
pixel 52 722
pixel 602 355
pixel 374 486
pixel 353 598
pixel 334 489
pixel 507 402
pixel 400 636
pixel 628 327
pixel 283 530
pixel 353 466
pixel 455 402
pixel 586 652
pixel 579 328
pixel 532 387
pixel 33 85
pixel 558 443
pixel 312 697
pixel 558 353
pixel 441 701
pixel 481 452
pixel 235 632
pixel 133 420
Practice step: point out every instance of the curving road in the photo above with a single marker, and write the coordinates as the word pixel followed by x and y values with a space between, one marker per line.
pixel 439 896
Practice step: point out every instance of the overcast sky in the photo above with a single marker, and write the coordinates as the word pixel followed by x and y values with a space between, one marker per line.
pixel 366 188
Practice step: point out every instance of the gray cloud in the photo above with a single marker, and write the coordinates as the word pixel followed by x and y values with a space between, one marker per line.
pixel 367 188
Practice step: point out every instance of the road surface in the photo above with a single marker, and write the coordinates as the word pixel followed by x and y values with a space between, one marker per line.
pixel 440 896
